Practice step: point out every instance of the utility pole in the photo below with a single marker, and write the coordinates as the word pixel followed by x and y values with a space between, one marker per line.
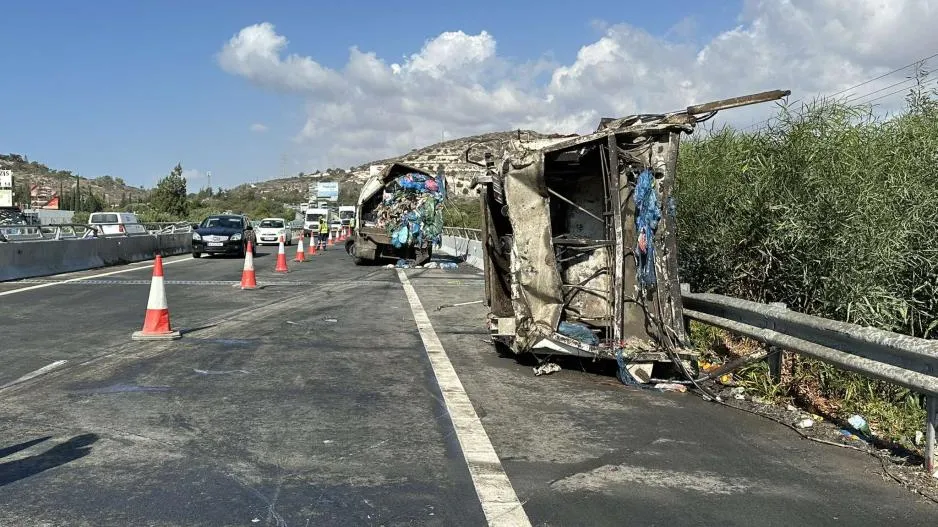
pixel 208 175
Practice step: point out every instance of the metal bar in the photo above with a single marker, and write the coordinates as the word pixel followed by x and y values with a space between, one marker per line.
pixel 920 355
pixel 615 187
pixel 735 102
pixel 931 425
pixel 556 194
pixel 910 379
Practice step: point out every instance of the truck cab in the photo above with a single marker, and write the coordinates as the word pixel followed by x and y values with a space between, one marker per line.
pixel 347 215
pixel 311 221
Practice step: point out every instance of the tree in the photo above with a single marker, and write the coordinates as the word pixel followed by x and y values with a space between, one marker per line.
pixel 170 197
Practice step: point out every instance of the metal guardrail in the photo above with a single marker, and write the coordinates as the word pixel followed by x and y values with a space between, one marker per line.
pixel 463 232
pixel 900 359
pixel 74 231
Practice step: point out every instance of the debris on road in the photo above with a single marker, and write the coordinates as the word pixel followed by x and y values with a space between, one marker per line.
pixel 860 425
pixel 576 330
pixel 440 308
pixel 546 369
pixel 671 387
pixel 217 372
pixel 805 423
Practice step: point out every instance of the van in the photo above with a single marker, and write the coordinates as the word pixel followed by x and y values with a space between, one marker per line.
pixel 111 223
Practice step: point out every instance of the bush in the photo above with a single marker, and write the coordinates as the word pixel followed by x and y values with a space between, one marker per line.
pixel 832 212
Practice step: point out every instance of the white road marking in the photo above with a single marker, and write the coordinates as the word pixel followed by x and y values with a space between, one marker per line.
pixel 80 278
pixel 32 375
pixel 499 501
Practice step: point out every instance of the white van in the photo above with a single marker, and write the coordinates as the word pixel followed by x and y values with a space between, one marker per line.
pixel 116 223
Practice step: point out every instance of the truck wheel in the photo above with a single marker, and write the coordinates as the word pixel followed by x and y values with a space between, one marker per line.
pixel 196 255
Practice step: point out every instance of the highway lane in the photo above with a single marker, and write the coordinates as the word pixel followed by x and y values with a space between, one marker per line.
pixel 313 402
pixel 300 405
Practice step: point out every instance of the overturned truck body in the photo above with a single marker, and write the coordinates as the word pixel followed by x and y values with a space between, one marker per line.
pixel 580 243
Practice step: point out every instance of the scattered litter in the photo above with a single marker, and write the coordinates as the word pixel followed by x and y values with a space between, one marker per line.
pixel 459 304
pixel 255 520
pixel 859 424
pixel 578 331
pixel 546 369
pixel 431 265
pixel 217 372
pixel 739 397
pixel 448 265
pixel 919 438
pixel 389 266
pixel 291 322
pixel 403 264
pixel 726 378
pixel 791 408
pixel 327 442
pixel 738 392
pixel 848 434
pixel 805 423
pixel 670 387
pixel 330 320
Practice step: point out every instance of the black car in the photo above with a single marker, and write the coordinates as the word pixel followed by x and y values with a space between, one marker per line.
pixel 223 234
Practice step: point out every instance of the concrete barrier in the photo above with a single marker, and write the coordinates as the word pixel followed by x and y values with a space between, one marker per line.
pixel 469 250
pixel 42 258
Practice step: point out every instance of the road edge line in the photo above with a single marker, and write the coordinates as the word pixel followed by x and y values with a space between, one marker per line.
pixel 499 501
pixel 35 373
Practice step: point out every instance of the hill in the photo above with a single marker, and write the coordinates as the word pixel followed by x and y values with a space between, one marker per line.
pixel 47 184
pixel 451 155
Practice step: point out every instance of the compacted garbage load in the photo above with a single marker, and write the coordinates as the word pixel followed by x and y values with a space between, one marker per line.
pixel 579 243
pixel 399 215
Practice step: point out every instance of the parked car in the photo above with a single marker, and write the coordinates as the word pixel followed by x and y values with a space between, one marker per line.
pixel 116 223
pixel 271 229
pixel 223 234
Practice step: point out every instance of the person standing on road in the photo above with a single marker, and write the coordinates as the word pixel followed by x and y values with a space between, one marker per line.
pixel 323 232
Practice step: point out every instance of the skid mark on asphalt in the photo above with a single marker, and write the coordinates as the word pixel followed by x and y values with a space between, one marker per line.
pixel 499 501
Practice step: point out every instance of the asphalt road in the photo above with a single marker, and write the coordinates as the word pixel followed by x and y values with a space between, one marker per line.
pixel 313 402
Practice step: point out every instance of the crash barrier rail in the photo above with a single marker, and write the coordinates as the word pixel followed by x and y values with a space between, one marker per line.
pixel 65 231
pixel 43 258
pixel 899 359
pixel 463 232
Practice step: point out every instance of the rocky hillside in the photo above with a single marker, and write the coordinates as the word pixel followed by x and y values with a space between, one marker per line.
pixel 46 182
pixel 450 154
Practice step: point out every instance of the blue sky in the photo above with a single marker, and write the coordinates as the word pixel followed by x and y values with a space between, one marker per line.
pixel 128 88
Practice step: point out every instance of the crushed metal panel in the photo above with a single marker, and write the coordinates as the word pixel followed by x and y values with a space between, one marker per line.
pixel 533 254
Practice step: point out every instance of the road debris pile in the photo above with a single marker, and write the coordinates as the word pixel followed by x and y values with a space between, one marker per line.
pixel 411 210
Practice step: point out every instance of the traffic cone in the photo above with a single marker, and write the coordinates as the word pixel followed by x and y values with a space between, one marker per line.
pixel 156 323
pixel 281 260
pixel 312 246
pixel 248 277
pixel 331 242
pixel 300 253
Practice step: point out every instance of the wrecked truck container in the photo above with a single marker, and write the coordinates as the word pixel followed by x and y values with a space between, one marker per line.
pixel 399 215
pixel 579 241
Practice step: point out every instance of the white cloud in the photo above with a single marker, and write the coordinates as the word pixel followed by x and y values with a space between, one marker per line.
pixel 258 127
pixel 192 174
pixel 458 83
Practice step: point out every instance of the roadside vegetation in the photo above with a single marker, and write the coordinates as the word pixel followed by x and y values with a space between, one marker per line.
pixel 833 212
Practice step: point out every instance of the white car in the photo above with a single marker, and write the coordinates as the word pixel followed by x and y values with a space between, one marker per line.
pixel 270 230
pixel 109 223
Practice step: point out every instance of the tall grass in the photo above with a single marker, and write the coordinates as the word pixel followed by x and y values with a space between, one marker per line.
pixel 833 212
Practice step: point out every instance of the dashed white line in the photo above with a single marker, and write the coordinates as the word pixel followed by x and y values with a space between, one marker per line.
pixel 32 375
pixel 91 277
pixel 499 501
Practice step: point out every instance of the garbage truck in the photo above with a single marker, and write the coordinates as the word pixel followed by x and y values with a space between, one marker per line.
pixel 399 215
pixel 579 243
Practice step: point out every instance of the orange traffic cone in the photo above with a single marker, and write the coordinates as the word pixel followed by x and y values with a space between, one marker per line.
pixel 248 277
pixel 156 323
pixel 312 246
pixel 281 260
pixel 331 242
pixel 300 253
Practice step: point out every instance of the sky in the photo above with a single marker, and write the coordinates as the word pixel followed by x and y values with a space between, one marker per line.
pixel 250 90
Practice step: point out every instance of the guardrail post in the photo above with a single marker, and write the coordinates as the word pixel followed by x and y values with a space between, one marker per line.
pixel 685 289
pixel 931 424
pixel 776 354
